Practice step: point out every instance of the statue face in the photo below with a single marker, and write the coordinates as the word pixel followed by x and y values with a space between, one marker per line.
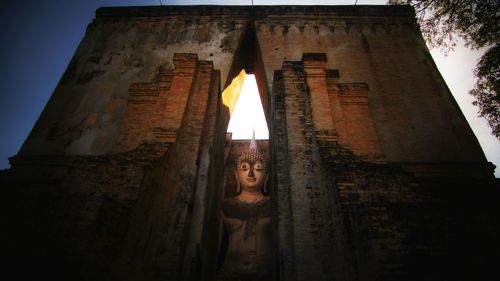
pixel 251 175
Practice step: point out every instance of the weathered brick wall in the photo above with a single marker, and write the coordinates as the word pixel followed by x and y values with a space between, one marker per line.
pixel 165 207
pixel 125 215
pixel 400 227
pixel 87 112
pixel 386 221
pixel 382 47
pixel 376 45
pixel 312 244
pixel 375 174
pixel 71 213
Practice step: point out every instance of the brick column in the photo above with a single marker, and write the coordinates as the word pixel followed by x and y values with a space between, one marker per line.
pixel 155 109
pixel 143 120
pixel 306 218
pixel 183 75
pixel 332 79
pixel 314 66
pixel 156 240
pixel 283 233
pixel 182 178
pixel 354 122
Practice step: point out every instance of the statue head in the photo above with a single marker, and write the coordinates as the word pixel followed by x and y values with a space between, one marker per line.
pixel 251 170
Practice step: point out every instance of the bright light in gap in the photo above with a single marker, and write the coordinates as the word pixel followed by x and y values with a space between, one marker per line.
pixel 248 113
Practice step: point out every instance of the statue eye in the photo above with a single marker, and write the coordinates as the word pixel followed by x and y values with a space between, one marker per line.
pixel 244 166
pixel 257 166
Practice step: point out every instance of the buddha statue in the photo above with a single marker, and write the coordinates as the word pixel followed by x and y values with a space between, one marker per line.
pixel 247 222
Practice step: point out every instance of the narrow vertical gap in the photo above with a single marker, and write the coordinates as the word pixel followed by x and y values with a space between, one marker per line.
pixel 248 57
pixel 246 105
pixel 248 114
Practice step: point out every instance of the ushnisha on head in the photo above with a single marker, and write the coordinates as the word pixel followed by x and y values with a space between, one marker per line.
pixel 251 170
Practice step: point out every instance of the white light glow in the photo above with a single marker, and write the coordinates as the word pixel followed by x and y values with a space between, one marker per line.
pixel 248 114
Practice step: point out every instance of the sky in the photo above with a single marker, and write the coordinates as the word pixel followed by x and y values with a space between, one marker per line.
pixel 39 37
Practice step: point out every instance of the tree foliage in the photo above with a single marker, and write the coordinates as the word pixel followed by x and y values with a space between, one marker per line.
pixel 478 23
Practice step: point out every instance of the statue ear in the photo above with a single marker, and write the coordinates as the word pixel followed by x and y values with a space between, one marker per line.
pixel 265 190
pixel 238 187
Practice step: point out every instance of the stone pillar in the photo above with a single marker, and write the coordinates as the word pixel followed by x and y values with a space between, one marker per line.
pixel 281 192
pixel 156 240
pixel 183 75
pixel 332 79
pixel 306 219
pixel 352 119
pixel 143 120
pixel 182 177
pixel 314 66
pixel 155 109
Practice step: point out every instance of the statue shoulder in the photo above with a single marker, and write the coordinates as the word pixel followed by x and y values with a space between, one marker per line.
pixel 266 200
pixel 229 204
pixel 229 201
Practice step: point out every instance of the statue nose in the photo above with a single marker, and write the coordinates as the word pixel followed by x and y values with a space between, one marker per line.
pixel 250 174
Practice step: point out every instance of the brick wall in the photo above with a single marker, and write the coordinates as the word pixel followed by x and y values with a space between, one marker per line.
pixel 375 174
pixel 384 221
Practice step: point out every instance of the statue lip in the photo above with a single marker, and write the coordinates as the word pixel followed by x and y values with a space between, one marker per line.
pixel 251 179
